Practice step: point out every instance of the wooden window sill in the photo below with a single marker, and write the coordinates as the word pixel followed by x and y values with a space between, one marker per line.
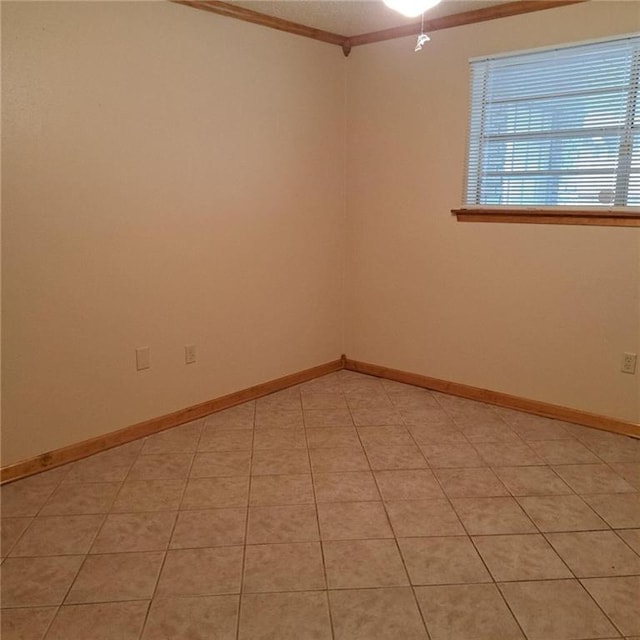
pixel 603 218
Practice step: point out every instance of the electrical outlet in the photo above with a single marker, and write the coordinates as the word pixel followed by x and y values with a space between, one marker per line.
pixel 629 363
pixel 190 354
pixel 143 358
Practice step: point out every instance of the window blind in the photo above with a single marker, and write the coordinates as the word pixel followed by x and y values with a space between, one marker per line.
pixel 556 127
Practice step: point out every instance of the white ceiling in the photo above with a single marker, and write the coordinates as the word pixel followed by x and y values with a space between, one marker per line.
pixel 353 17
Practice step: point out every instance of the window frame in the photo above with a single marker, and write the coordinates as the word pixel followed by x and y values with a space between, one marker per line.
pixel 602 215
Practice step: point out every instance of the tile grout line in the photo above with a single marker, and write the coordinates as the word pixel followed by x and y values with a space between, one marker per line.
pixel 493 580
pixel 246 523
pixel 412 587
pixel 86 555
pixel 542 533
pixel 173 528
pixel 320 539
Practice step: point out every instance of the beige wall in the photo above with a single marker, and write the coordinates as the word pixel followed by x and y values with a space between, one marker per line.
pixel 543 312
pixel 174 177
pixel 170 177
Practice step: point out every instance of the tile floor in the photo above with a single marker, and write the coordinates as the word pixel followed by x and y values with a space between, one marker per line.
pixel 348 508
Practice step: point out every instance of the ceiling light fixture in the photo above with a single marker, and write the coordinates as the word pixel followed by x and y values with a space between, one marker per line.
pixel 411 8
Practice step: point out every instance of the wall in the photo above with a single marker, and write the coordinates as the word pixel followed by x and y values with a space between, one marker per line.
pixel 543 312
pixel 169 177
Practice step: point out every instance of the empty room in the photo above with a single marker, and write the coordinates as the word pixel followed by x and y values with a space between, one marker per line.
pixel 320 320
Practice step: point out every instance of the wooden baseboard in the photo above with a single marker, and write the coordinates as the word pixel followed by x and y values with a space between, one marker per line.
pixel 497 398
pixel 148 427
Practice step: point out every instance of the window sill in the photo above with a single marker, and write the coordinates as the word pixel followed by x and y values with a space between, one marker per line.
pixel 606 218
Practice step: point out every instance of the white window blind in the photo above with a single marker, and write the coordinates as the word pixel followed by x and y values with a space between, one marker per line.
pixel 556 127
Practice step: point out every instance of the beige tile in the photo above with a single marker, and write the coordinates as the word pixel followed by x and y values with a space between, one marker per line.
pixel 424 415
pixel 322 418
pixel 394 436
pixel 274 461
pixel 418 484
pixel 267 418
pixel 123 455
pixel 135 532
pixel 395 457
pixel 561 513
pixel 369 398
pixel 591 554
pixel 631 537
pixel 285 616
pixel 116 576
pixel 619 598
pixel 418 518
pixel 281 490
pixel 292 523
pixel 195 618
pixel 451 455
pixel 58 536
pixel 593 478
pixel 466 612
pixel 80 499
pixel 161 466
pixel 569 612
pixel 183 439
pixel 376 614
pixel 217 464
pixel 520 557
pixel 279 439
pixel 412 398
pixel 469 482
pixel 623 450
pixel 149 495
pixel 26 624
pixel 451 560
pixel 216 493
pixel 20 499
pixel 209 528
pixel 489 432
pixel 338 459
pixel 486 516
pixel 104 621
pixel 353 521
pixel 630 471
pixel 333 437
pixel 508 454
pixel 216 439
pixel 355 486
pixel 293 566
pixel 445 433
pixel 353 564
pixel 33 582
pixel 49 478
pixel 565 452
pixel 621 511
pixel 285 400
pixel 484 419
pixel 463 408
pixel 532 481
pixel 318 401
pixel 532 428
pixel 240 417
pixel 10 531
pixel 376 415
pixel 98 469
pixel 193 572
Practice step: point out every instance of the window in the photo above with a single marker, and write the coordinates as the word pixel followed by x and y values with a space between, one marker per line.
pixel 557 129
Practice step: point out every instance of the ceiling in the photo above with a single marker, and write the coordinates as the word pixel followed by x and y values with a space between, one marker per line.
pixel 353 17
